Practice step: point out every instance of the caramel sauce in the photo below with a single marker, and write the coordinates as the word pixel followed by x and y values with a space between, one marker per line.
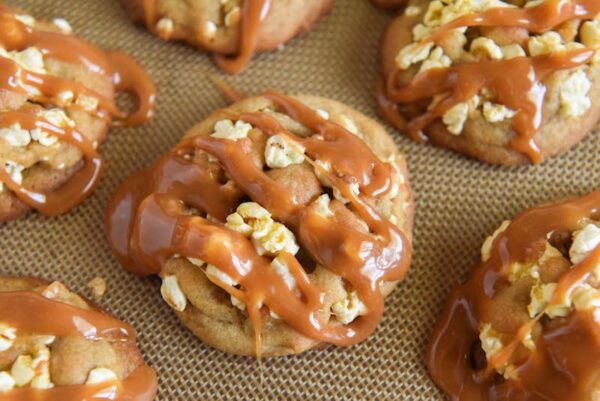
pixel 31 313
pixel 253 14
pixel 517 83
pixel 124 72
pixel 146 223
pixel 564 364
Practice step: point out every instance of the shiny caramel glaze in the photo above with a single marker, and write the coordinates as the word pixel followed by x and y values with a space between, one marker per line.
pixel 147 223
pixel 564 364
pixel 126 75
pixel 510 80
pixel 253 14
pixel 31 313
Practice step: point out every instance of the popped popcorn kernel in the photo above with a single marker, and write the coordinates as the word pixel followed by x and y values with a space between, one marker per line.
pixel 321 205
pixel 281 152
pixel 455 117
pixel 216 274
pixel 15 135
pixel 496 113
pixel 584 242
pixel 100 375
pixel 63 25
pixel 490 341
pixel 172 294
pixel 281 268
pixel 226 129
pixel 548 42
pixel 486 48
pixel 349 309
pixel 574 99
pixel 165 27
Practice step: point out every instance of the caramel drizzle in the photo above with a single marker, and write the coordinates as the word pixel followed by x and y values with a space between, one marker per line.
pixel 516 83
pixel 31 313
pixel 126 75
pixel 565 360
pixel 146 224
pixel 254 12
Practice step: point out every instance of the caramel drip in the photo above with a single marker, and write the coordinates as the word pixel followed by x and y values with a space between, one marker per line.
pixel 31 313
pixel 147 225
pixel 254 13
pixel 537 19
pixel 516 83
pixel 564 364
pixel 123 71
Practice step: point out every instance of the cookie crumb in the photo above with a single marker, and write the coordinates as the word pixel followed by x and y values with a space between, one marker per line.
pixel 97 287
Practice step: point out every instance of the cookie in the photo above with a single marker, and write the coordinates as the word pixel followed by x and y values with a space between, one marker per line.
pixel 57 103
pixel 389 4
pixel 232 29
pixel 277 224
pixel 54 344
pixel 503 82
pixel 526 324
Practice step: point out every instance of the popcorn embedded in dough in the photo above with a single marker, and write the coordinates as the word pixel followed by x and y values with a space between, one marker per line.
pixel 172 293
pixel 22 370
pixel 165 27
pixel 281 152
pixel 100 375
pixel 6 382
pixel 210 29
pixel 226 129
pixel 322 206
pixel 15 135
pixel 15 171
pixel 496 113
pixel 584 242
pixel 88 103
pixel 548 42
pixel 486 48
pixel 574 99
pixel 455 117
pixel 349 309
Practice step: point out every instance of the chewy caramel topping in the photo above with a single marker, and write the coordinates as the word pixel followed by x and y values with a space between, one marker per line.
pixel 188 206
pixel 25 48
pixel 526 325
pixel 253 13
pixel 503 72
pixel 30 313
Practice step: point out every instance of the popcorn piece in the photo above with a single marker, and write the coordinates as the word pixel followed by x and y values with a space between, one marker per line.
pixel 88 103
pixel 98 287
pixel 100 375
pixel 282 269
pixel 218 275
pixel 65 97
pixel 196 262
pixel 348 124
pixel 7 336
pixel 323 114
pixel 541 295
pixel 322 206
pixel 30 59
pixel 268 236
pixel 15 135
pixel 586 297
pixel 22 370
pixel 237 303
pixel 6 382
pixel 436 59
pixel 165 27
pixel 413 54
pixel 349 309
pixel 57 117
pixel 281 152
pixel 43 138
pixel 490 341
pixel 210 29
pixel 337 194
pixel 172 293
pixel 225 129
pixel 455 117
pixel 574 100
pixel 512 51
pixel 483 47
pixel 584 242
pixel 25 19
pixel 63 25
pixel 548 42
pixel 496 113
pixel 590 34
pixel 41 365
pixel 412 11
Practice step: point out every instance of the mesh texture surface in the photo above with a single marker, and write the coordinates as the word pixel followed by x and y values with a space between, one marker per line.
pixel 459 202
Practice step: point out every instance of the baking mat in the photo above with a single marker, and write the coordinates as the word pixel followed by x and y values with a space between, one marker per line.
pixel 459 202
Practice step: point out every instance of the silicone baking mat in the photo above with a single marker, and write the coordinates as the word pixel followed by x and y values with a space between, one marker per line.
pixel 459 202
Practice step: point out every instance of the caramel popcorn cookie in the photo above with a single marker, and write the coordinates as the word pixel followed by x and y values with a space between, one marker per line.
pixel 57 102
pixel 526 325
pixel 56 345
pixel 506 82
pixel 232 29
pixel 277 224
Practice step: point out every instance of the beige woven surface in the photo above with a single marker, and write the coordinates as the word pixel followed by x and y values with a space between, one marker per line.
pixel 459 202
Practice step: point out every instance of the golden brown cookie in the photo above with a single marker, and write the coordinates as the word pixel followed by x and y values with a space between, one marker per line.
pixel 56 345
pixel 232 29
pixel 56 106
pixel 526 325
pixel 277 224
pixel 504 82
